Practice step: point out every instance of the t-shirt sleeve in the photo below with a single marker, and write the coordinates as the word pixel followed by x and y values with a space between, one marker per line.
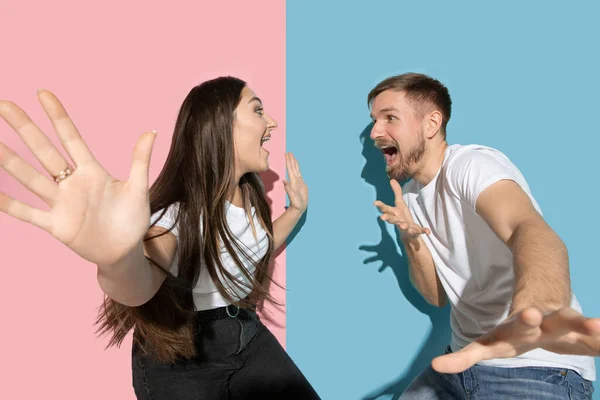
pixel 473 171
pixel 408 189
pixel 167 221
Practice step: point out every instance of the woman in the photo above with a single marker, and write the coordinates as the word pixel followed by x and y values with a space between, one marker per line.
pixel 186 263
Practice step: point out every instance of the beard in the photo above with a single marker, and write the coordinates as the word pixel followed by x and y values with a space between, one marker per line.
pixel 405 165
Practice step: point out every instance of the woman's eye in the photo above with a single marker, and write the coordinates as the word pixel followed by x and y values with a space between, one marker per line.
pixel 260 111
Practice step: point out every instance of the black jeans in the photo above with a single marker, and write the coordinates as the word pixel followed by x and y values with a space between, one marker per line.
pixel 237 358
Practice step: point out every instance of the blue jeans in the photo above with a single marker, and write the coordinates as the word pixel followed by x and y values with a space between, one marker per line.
pixel 491 383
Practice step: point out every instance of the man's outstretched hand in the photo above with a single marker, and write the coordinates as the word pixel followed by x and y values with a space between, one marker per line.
pixel 564 331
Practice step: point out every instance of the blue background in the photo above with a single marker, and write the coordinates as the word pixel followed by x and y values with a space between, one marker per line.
pixel 523 77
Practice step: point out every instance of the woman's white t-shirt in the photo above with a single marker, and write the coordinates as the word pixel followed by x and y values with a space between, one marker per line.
pixel 206 294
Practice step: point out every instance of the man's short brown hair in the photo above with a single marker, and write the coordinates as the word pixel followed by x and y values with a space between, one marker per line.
pixel 419 89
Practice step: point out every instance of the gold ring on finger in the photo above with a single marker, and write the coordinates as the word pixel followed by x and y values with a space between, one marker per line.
pixel 62 175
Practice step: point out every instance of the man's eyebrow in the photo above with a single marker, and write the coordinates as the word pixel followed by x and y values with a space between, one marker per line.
pixel 388 109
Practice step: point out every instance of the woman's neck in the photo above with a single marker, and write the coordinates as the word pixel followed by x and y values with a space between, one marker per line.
pixel 236 198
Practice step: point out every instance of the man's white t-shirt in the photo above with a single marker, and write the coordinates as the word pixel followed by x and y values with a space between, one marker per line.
pixel 474 266
pixel 205 293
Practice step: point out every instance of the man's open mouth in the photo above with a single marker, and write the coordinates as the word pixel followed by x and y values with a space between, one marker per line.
pixel 389 153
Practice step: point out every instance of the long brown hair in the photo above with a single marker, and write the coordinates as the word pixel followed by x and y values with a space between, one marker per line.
pixel 197 176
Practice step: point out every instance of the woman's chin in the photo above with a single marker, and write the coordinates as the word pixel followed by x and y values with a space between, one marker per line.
pixel 262 167
pixel 264 159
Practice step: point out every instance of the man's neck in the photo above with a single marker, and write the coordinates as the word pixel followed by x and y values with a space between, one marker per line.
pixel 431 164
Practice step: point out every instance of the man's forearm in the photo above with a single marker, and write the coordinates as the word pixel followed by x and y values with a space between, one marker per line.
pixel 541 265
pixel 422 271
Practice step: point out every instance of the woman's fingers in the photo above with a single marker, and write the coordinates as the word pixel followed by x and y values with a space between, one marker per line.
pixel 28 176
pixel 39 144
pixel 65 128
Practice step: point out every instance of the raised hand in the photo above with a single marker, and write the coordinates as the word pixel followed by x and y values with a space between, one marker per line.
pixel 296 189
pixel 98 217
pixel 399 215
pixel 564 331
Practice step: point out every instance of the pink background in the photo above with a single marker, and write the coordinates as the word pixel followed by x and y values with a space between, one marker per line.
pixel 120 68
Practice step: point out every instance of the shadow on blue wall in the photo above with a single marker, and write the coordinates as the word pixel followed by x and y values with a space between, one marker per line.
pixel 387 253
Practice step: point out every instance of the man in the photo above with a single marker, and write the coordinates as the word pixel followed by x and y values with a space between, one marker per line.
pixel 474 236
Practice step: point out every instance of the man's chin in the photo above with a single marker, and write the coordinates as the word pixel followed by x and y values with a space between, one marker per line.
pixel 400 176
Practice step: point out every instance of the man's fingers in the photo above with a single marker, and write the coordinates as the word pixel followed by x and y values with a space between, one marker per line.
pixel 451 363
pixel 592 325
pixel 397 192
pixel 460 361
pixel 564 321
pixel 412 229
pixel 391 215
pixel 529 318
pixel 389 218
pixel 572 334
pixel 382 206
pixel 403 226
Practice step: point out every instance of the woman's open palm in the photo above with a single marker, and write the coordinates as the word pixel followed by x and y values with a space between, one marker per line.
pixel 98 217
